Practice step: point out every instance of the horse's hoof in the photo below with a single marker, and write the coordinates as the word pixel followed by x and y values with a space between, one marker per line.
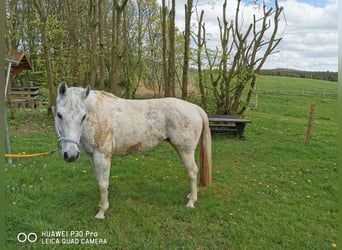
pixel 190 204
pixel 100 216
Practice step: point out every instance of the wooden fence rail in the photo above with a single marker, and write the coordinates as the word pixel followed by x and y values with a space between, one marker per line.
pixel 24 97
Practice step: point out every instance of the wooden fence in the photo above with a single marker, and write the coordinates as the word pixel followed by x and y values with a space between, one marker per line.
pixel 25 97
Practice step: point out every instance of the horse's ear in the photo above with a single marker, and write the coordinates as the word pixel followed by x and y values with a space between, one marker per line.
pixel 62 88
pixel 86 92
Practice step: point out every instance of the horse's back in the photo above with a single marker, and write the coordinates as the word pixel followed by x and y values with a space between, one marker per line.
pixel 140 125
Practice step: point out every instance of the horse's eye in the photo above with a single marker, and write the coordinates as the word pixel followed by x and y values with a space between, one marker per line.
pixel 59 115
pixel 83 118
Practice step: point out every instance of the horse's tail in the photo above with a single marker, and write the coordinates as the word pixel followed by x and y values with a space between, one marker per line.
pixel 205 151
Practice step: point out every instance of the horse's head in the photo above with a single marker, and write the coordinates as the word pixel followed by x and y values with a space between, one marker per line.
pixel 69 116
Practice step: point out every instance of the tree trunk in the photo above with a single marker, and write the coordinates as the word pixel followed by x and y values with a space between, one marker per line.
pixel 116 45
pixel 127 67
pixel 200 43
pixel 188 12
pixel 172 52
pixel 92 17
pixel 71 11
pixel 46 48
pixel 12 40
pixel 167 88
pixel 249 95
pixel 101 46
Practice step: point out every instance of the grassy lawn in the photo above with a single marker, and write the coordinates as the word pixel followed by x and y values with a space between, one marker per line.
pixel 272 190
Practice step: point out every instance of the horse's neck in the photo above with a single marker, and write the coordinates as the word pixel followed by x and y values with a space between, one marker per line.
pixel 98 102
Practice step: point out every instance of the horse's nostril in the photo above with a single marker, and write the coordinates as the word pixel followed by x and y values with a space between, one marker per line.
pixel 65 156
pixel 70 157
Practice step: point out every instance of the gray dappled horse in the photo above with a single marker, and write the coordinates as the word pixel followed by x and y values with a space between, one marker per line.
pixel 101 125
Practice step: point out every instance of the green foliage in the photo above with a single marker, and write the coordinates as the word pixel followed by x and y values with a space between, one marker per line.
pixel 73 35
pixel 272 190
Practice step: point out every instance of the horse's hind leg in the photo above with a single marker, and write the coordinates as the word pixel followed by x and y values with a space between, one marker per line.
pixel 102 171
pixel 188 159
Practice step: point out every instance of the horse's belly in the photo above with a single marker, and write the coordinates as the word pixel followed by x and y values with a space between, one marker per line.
pixel 129 147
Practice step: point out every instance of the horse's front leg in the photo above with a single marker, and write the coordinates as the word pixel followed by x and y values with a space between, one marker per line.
pixel 102 170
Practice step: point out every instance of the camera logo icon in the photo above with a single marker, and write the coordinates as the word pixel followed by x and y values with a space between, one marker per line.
pixel 30 237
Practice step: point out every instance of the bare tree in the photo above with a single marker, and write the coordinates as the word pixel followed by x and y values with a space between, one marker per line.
pixel 200 38
pixel 188 12
pixel 241 57
pixel 259 41
pixel 251 60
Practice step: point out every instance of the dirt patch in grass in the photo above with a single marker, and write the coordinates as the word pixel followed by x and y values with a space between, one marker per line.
pixel 30 121
pixel 25 129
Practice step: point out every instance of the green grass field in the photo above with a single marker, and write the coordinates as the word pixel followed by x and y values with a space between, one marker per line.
pixel 272 190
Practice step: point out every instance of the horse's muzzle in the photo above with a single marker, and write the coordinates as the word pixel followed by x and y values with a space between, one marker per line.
pixel 71 156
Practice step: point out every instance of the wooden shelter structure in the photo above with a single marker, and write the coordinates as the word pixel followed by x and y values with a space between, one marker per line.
pixel 19 62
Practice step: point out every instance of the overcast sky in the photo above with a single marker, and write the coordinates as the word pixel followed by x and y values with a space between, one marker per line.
pixel 308 27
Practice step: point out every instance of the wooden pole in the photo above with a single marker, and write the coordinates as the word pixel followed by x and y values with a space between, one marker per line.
pixel 309 128
pixel 256 100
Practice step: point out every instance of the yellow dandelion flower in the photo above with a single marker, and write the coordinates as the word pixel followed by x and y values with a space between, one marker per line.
pixel 308 196
pixel 84 171
pixel 333 245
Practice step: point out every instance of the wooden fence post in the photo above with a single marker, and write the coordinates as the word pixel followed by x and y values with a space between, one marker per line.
pixel 309 128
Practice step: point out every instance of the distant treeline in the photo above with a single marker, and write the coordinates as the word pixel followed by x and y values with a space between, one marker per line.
pixel 318 75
